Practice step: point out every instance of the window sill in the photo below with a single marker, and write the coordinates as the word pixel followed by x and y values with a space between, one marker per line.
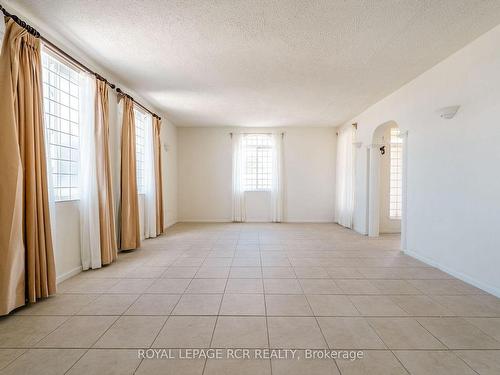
pixel 257 191
pixel 67 201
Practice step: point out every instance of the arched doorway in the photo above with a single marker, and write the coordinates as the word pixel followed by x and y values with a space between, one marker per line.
pixel 387 181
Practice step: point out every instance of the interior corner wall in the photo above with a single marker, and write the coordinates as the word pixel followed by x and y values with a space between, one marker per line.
pixel 453 204
pixel 205 168
pixel 168 137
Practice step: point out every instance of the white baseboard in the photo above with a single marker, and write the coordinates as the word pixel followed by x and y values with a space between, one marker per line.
pixel 67 275
pixel 170 223
pixel 255 221
pixel 459 275
pixel 204 221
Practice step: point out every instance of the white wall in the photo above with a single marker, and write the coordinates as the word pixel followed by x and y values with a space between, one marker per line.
pixel 204 175
pixel 66 242
pixel 169 171
pixel 453 179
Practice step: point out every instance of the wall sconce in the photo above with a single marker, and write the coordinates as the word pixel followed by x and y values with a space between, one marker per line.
pixel 448 112
pixel 382 150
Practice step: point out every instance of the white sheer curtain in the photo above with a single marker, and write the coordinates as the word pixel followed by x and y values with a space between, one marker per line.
pixel 238 178
pixel 149 181
pixel 344 202
pixel 277 178
pixel 90 245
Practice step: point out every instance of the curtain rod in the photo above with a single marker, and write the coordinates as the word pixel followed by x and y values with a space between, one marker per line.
pixel 63 54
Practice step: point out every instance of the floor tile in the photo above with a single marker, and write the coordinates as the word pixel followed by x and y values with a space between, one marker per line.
pixel 457 333
pixel 418 305
pixel 343 273
pixel 331 305
pixel 218 262
pixel 303 366
pixel 349 333
pixel 295 333
pixel 484 362
pixel 44 362
pixel 468 305
pixel 212 272
pixel 240 332
pixel 198 304
pixel 278 273
pixel 395 287
pixel 171 367
pixel 374 362
pixel 78 332
pixel 282 286
pixel 180 272
pixel 243 304
pixel 287 305
pixel 198 286
pixel 239 367
pixel 404 333
pixel 189 262
pixel 490 326
pixel 107 362
pixel 153 304
pixel 319 286
pixel 244 286
pixel 132 332
pixel 186 332
pixel 421 362
pixel 311 272
pixel 146 272
pixel 169 286
pixel 61 304
pixel 86 285
pixel 131 286
pixel 245 273
pixel 445 287
pixel 376 306
pixel 354 286
pixel 7 356
pixel 26 331
pixel 246 262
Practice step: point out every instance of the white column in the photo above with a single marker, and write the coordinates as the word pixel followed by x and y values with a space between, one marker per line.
pixel 404 188
pixel 374 191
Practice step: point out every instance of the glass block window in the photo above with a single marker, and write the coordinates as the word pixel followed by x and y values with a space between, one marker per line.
pixel 61 109
pixel 395 192
pixel 258 162
pixel 140 145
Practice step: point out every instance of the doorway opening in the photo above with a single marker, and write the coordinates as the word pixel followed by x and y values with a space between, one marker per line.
pixel 387 182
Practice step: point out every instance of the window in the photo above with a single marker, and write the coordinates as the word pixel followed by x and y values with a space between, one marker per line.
pixel 61 110
pixel 2 32
pixel 395 194
pixel 258 161
pixel 140 145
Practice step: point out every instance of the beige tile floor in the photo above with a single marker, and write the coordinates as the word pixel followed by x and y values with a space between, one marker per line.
pixel 278 286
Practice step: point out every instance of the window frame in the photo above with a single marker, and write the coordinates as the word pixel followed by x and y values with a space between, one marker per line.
pixel 395 174
pixel 258 186
pixel 140 135
pixel 73 79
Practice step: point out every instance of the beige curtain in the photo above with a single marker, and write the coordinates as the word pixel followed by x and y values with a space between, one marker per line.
pixel 130 237
pixel 27 268
pixel 109 251
pixel 158 175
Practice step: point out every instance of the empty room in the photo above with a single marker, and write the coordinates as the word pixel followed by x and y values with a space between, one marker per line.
pixel 259 187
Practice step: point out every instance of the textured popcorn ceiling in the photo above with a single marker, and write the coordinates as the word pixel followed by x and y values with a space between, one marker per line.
pixel 264 62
